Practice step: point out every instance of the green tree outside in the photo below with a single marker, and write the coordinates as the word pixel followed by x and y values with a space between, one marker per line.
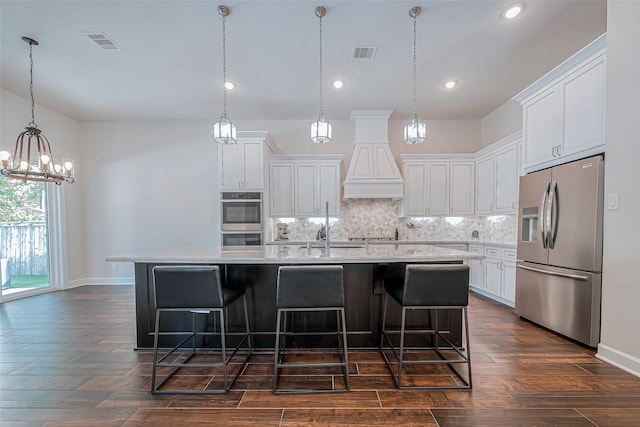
pixel 21 201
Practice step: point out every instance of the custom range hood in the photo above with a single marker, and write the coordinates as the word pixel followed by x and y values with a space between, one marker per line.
pixel 373 172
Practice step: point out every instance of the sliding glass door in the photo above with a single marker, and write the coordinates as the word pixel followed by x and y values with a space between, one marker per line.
pixel 24 239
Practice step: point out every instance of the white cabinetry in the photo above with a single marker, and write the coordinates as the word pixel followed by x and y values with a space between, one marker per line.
pixel 497 177
pixel 495 276
pixel 563 112
pixel 300 186
pixel 437 187
pixel 242 165
pixel 476 268
pixel 281 189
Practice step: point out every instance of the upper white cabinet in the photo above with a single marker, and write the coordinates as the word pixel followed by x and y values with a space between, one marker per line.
pixel 242 165
pixel 563 112
pixel 300 186
pixel 497 177
pixel 281 178
pixel 437 187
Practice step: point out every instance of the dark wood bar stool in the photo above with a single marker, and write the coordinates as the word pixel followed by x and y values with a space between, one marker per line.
pixel 198 291
pixel 434 287
pixel 309 289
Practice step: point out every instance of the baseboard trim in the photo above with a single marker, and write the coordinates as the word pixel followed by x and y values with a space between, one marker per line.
pixel 90 281
pixel 620 359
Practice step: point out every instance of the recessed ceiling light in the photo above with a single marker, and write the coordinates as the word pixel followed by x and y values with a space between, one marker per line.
pixel 450 84
pixel 338 84
pixel 229 85
pixel 512 11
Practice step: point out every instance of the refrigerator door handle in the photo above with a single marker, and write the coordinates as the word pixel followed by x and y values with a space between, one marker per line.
pixel 555 273
pixel 543 216
pixel 553 215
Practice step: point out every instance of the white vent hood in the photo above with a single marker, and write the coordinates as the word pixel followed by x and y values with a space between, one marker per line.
pixel 373 172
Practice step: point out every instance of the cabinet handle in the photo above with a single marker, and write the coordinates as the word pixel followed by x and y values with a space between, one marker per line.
pixel 553 151
pixel 558 150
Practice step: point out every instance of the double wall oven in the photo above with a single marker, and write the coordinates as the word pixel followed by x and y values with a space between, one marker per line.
pixel 241 216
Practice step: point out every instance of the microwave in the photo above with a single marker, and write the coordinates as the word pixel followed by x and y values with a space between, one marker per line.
pixel 241 211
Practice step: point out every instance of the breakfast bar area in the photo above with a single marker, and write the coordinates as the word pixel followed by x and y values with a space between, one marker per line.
pixel 365 269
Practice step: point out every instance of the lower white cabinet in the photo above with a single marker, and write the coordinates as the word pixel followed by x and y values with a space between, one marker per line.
pixel 495 276
pixel 476 268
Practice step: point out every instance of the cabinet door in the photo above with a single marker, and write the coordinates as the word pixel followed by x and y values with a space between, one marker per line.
pixel 540 126
pixel 509 281
pixel 328 181
pixel 438 188
pixel 584 98
pixel 281 189
pixel 305 190
pixel 252 165
pixel 485 182
pixel 507 179
pixel 231 172
pixel 415 191
pixel 461 191
pixel 493 275
pixel 476 268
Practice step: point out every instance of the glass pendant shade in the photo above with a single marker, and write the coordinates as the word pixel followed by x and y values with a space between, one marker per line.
pixel 321 130
pixel 415 131
pixel 224 131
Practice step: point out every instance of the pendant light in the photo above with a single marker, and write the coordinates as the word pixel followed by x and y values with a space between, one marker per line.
pixel 415 131
pixel 224 131
pixel 321 128
pixel 22 164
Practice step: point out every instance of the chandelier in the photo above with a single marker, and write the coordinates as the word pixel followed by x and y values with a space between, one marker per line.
pixel 32 159
pixel 321 128
pixel 415 131
pixel 224 131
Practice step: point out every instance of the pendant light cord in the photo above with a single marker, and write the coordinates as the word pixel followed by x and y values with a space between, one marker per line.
pixel 224 62
pixel 414 64
pixel 321 97
pixel 33 114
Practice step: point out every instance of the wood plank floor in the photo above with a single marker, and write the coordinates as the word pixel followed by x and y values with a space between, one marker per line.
pixel 66 358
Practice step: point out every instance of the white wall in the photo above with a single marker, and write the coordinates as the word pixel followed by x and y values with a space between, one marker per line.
pixel 62 133
pixel 501 122
pixel 620 336
pixel 153 185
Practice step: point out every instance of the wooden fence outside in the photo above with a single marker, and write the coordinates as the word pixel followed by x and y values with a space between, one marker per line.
pixel 26 247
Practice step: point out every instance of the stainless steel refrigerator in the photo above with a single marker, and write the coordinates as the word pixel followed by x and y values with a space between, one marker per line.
pixel 559 268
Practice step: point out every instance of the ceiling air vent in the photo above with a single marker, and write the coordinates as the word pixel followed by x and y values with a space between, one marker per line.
pixel 102 40
pixel 363 53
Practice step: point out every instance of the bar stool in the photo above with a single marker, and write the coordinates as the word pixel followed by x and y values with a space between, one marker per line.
pixel 309 289
pixel 433 287
pixel 196 290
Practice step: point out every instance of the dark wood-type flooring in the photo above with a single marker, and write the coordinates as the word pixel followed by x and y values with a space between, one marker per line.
pixel 67 358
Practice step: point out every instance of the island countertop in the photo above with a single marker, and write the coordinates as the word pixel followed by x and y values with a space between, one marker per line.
pixel 300 254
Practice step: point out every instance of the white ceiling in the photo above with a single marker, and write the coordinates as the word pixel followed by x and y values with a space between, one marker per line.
pixel 170 65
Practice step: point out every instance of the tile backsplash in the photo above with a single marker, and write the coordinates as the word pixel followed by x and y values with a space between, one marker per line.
pixel 381 217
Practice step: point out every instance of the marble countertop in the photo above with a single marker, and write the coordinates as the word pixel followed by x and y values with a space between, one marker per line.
pixel 300 254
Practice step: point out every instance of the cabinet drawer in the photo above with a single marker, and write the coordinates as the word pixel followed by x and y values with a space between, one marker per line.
pixel 492 252
pixel 509 254
pixel 476 249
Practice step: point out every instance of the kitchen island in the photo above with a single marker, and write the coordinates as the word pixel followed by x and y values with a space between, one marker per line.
pixel 365 267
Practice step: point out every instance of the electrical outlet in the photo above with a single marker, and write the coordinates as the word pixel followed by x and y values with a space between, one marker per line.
pixel 613 202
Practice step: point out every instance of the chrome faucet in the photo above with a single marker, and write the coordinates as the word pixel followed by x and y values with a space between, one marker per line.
pixel 364 237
